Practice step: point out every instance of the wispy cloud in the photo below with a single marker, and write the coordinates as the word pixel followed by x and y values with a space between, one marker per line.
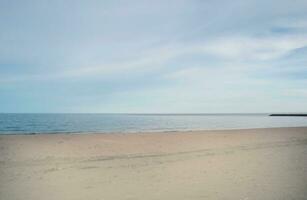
pixel 254 48
pixel 230 48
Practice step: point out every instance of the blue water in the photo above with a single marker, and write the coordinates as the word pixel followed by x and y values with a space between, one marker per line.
pixel 106 123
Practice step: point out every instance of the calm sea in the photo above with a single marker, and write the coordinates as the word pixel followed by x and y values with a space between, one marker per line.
pixel 106 123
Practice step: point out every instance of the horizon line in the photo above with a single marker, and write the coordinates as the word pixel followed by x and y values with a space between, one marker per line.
pixel 152 113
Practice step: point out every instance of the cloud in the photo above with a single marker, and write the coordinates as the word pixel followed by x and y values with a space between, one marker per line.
pixel 254 48
pixel 227 50
pixel 233 49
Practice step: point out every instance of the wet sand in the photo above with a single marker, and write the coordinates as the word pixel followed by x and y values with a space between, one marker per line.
pixel 232 164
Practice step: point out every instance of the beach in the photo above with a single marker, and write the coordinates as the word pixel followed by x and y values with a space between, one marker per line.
pixel 266 164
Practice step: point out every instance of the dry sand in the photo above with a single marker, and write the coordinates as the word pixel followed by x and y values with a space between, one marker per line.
pixel 234 164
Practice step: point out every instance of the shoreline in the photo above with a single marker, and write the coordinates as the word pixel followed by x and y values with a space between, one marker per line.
pixel 264 163
pixel 144 132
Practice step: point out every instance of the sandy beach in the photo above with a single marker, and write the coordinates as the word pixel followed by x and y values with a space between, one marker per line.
pixel 264 164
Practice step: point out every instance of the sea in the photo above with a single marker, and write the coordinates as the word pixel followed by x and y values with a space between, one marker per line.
pixel 14 123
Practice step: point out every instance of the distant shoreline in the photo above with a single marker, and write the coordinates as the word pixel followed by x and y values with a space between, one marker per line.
pixel 288 115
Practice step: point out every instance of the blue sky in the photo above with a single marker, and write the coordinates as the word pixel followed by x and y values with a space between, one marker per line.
pixel 153 56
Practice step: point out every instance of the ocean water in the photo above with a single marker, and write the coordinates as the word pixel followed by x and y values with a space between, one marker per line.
pixel 109 123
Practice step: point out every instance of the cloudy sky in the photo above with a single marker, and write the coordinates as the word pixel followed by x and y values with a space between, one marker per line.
pixel 204 56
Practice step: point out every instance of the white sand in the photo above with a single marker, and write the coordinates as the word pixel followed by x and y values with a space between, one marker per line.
pixel 236 164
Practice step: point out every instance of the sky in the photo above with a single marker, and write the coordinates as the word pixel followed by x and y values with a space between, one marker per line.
pixel 162 56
